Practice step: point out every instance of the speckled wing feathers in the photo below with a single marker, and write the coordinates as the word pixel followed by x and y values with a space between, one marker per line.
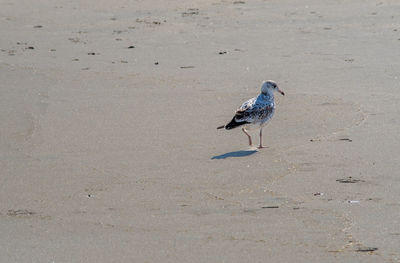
pixel 255 110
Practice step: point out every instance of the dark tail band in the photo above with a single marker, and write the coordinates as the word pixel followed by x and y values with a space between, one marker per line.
pixel 232 124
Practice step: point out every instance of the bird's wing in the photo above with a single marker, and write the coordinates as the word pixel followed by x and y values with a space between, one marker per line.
pixel 247 105
pixel 252 110
pixel 241 114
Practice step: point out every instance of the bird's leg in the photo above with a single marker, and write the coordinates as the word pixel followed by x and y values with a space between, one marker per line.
pixel 260 147
pixel 248 135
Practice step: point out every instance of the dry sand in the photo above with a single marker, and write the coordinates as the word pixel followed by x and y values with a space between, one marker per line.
pixel 109 151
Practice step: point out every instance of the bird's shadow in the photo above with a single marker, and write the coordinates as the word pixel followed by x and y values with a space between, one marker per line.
pixel 241 153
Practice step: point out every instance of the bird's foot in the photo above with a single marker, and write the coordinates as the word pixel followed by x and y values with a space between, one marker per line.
pixel 261 147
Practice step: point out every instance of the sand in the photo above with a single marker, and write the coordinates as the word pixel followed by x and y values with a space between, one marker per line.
pixel 108 144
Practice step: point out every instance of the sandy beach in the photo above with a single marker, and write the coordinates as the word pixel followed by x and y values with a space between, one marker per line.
pixel 109 150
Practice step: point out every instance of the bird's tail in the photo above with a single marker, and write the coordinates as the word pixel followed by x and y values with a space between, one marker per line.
pixel 232 124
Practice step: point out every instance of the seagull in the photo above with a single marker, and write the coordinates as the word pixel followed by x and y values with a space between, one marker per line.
pixel 255 112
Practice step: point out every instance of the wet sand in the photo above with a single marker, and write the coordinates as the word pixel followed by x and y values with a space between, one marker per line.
pixel 109 148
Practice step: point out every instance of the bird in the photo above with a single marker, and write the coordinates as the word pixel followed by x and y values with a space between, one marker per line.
pixel 255 112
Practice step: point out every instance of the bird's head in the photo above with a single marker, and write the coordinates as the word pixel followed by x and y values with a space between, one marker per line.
pixel 270 85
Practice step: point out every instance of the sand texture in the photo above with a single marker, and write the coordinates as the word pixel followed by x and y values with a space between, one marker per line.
pixel 109 150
